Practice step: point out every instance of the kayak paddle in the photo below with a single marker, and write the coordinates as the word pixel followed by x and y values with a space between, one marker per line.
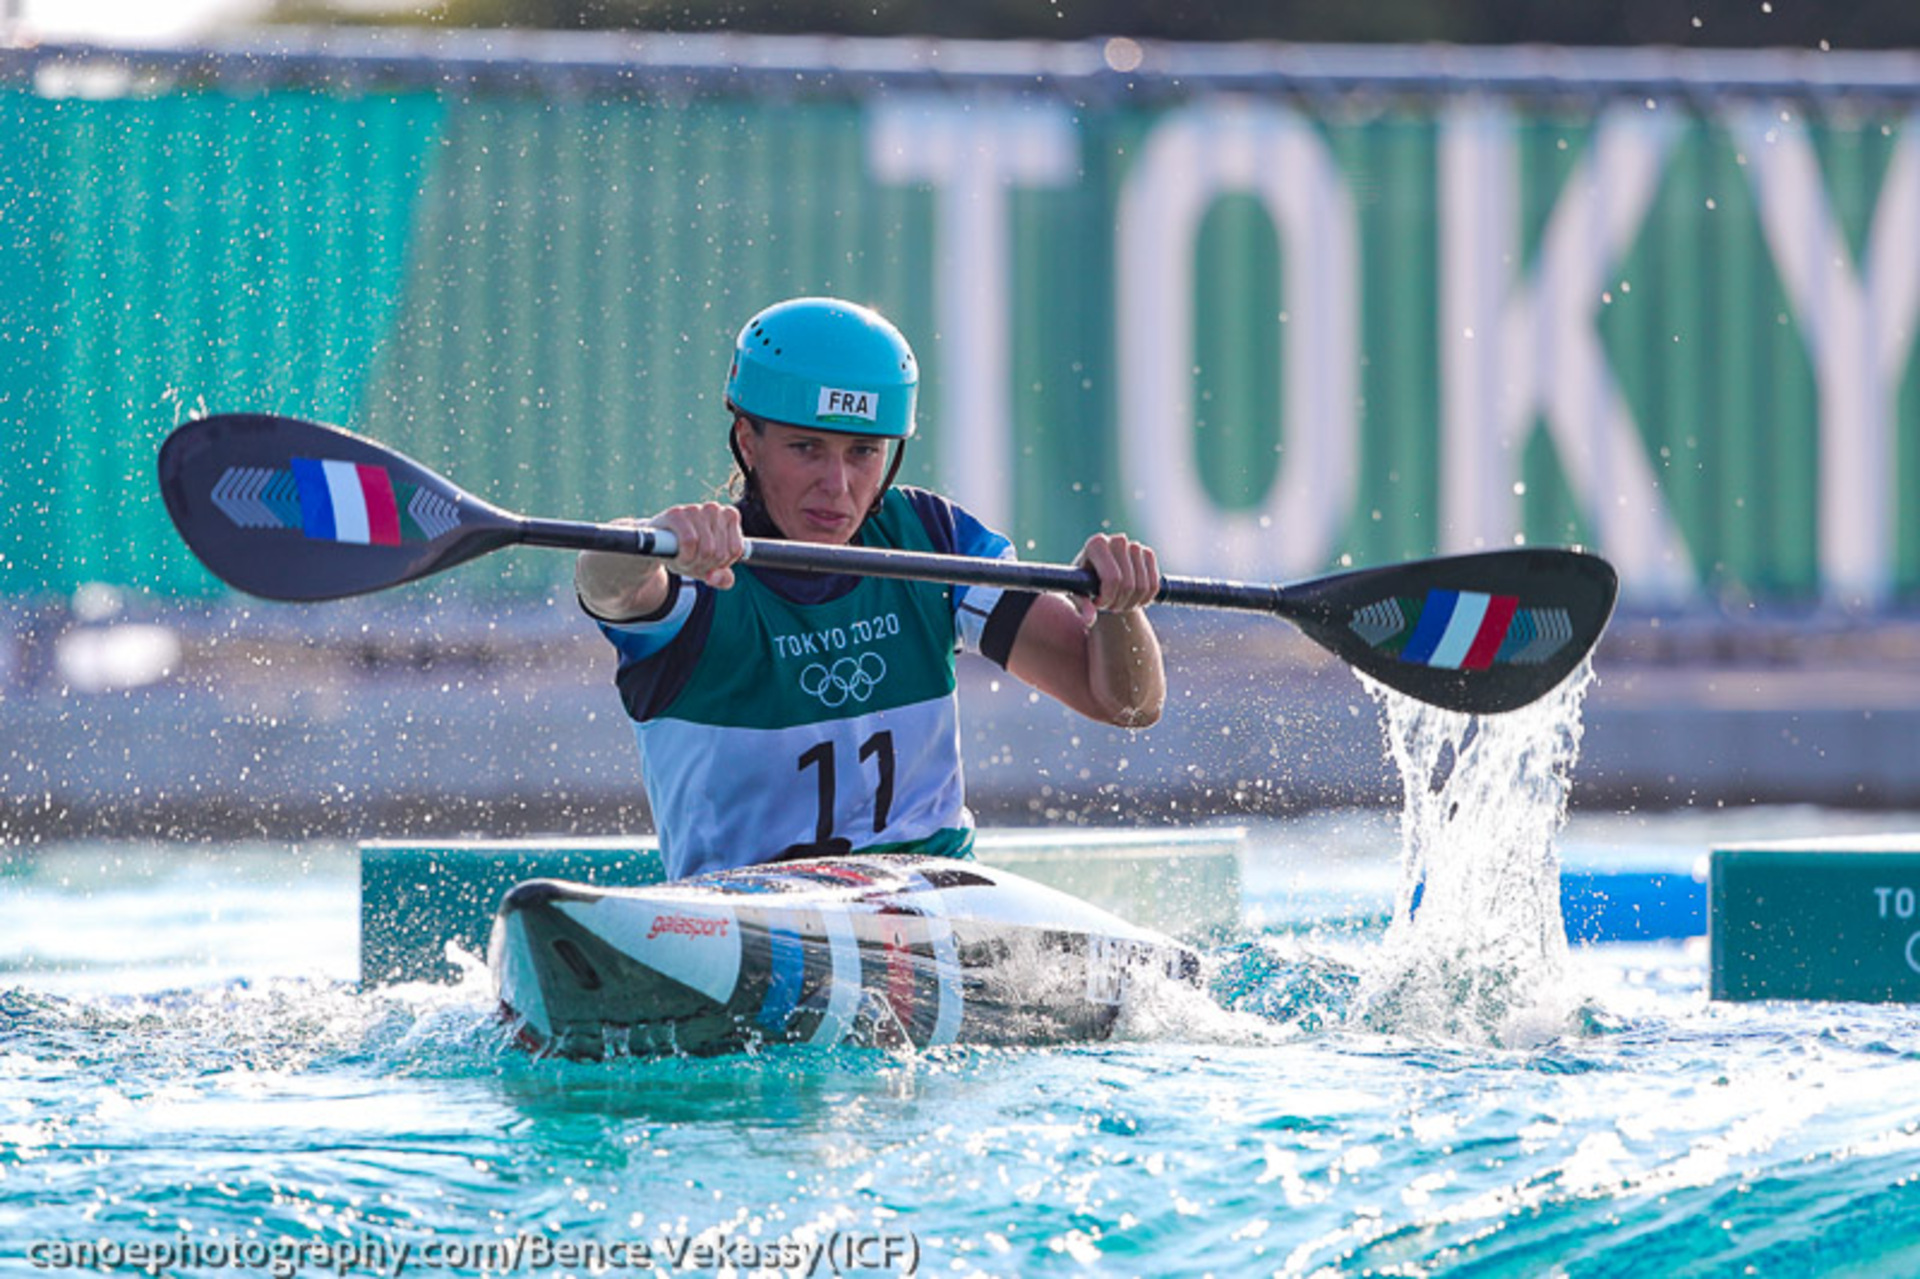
pixel 293 510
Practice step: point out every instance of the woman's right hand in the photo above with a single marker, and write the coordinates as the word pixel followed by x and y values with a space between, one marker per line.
pixel 710 541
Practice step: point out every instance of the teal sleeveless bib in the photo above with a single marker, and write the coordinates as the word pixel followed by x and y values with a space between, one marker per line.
pixel 831 724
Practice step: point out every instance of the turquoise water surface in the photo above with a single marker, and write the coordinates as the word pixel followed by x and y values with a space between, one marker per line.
pixel 185 1064
pixel 1399 1067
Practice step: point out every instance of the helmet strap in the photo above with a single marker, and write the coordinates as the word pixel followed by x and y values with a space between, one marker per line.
pixel 750 485
pixel 893 469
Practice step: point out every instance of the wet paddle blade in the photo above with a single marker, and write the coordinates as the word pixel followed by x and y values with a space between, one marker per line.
pixel 1479 633
pixel 293 510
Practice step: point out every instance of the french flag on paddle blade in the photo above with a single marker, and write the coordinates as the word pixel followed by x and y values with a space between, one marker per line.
pixel 1460 630
pixel 346 502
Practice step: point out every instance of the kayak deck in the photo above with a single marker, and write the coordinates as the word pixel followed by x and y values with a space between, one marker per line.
pixel 422 899
pixel 884 951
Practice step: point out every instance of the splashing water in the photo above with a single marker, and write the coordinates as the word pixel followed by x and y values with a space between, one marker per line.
pixel 1477 950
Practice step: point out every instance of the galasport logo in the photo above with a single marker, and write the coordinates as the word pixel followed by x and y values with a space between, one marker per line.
pixel 688 926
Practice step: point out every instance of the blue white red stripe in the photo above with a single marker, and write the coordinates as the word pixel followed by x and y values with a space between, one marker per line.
pixel 346 502
pixel 1459 630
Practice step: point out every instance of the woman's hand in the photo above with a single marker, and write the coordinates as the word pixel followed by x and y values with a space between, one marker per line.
pixel 710 541
pixel 623 588
pixel 1129 574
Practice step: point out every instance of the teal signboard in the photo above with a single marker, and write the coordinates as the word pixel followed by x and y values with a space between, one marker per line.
pixel 1271 332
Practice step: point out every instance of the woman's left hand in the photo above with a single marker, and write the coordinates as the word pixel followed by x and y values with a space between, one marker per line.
pixel 1129 572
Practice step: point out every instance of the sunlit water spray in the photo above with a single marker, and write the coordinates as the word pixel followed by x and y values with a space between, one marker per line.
pixel 1477 949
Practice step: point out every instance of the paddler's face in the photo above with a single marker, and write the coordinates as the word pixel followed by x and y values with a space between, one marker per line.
pixel 817 485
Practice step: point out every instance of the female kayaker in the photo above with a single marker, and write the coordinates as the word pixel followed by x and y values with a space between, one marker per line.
pixel 783 715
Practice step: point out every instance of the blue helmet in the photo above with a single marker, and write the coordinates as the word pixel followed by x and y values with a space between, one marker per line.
pixel 825 364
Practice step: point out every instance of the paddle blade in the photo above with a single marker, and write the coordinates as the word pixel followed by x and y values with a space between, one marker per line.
pixel 1478 633
pixel 292 510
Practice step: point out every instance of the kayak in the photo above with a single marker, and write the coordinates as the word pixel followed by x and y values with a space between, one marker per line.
pixel 886 951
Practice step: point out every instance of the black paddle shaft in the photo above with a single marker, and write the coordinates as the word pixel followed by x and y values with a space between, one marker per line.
pixel 969 570
pixel 293 510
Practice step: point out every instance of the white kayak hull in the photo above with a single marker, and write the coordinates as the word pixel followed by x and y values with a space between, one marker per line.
pixel 887 951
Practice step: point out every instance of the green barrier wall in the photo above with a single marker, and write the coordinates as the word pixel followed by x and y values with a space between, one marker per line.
pixel 1272 332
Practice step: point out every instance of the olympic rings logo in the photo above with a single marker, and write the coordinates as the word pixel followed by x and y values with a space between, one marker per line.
pixel 849 677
